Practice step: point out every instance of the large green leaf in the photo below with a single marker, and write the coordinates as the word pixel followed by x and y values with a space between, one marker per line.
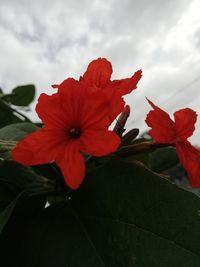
pixel 21 95
pixel 163 159
pixel 136 218
pixel 17 131
pixel 12 197
pixel 16 179
pixel 55 238
pixel 12 133
pixel 24 210
pixel 7 212
pixel 122 215
pixel 21 176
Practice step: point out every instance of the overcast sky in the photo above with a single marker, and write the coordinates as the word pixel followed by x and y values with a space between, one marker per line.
pixel 45 41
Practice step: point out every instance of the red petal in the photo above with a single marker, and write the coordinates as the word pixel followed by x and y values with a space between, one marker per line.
pixel 162 126
pixel 98 73
pixel 86 110
pixel 39 147
pixel 110 104
pixel 50 111
pixel 184 122
pixel 72 97
pixel 113 103
pixel 99 143
pixel 55 86
pixel 72 165
pixel 96 117
pixel 117 89
pixel 189 157
pixel 126 86
pixel 98 114
pixel 116 107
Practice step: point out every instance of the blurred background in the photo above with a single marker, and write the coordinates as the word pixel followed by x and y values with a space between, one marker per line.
pixel 43 42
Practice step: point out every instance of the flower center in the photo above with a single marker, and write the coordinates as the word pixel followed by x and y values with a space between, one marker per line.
pixel 74 133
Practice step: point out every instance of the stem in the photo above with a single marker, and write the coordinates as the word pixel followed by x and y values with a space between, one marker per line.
pixel 22 115
pixel 139 148
pixel 14 110
pixel 52 192
pixel 44 193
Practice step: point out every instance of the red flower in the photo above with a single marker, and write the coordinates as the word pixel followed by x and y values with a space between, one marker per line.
pixel 176 133
pixel 73 123
pixel 97 78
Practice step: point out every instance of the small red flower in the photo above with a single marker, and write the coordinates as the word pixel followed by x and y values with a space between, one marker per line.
pixel 97 78
pixel 176 133
pixel 73 123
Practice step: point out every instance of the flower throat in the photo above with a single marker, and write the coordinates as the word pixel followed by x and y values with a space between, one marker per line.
pixel 75 133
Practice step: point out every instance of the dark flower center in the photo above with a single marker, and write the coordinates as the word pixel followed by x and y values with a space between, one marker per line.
pixel 75 133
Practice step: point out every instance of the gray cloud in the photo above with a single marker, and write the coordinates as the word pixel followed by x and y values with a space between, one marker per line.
pixel 43 42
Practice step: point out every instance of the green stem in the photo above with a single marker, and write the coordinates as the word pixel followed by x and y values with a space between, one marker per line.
pixel 14 110
pixel 139 148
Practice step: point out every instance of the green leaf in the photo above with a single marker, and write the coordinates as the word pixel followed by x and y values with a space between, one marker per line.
pixel 163 159
pixel 12 133
pixel 21 95
pixel 17 131
pixel 136 218
pixel 55 238
pixel 19 202
pixel 7 115
pixel 6 213
pixel 15 179
pixel 13 234
pixel 122 215
pixel 24 177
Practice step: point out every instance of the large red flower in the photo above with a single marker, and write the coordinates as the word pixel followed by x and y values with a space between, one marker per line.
pixel 176 133
pixel 74 122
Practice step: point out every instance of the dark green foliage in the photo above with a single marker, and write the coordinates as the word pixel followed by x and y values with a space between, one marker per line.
pixel 122 215
pixel 7 115
pixel 21 95
pixel 57 238
pixel 16 181
pixel 163 159
pixel 17 131
pixel 136 218
pixel 13 234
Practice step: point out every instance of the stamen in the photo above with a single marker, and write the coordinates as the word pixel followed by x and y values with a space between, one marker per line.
pixel 75 133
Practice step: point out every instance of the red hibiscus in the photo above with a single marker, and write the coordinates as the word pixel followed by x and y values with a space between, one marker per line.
pixel 74 122
pixel 176 133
